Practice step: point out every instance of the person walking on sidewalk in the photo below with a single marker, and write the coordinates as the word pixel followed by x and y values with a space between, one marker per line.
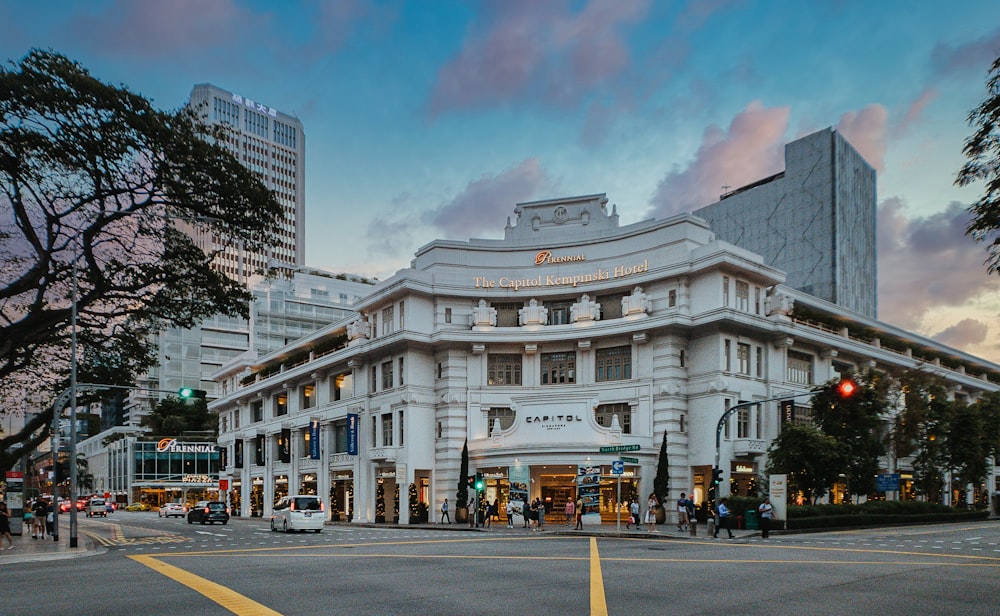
pixel 723 519
pixel 40 509
pixel 633 511
pixel 682 512
pixel 579 514
pixel 510 513
pixel 569 509
pixel 766 511
pixel 444 512
pixel 5 527
pixel 651 504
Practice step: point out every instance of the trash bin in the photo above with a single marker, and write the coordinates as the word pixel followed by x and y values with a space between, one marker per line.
pixel 751 520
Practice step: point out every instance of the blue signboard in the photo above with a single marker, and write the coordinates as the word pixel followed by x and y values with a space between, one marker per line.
pixel 352 434
pixel 617 467
pixel 888 482
pixel 314 439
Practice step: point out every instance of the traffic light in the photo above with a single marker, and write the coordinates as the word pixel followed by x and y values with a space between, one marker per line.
pixel 846 388
pixel 471 480
pixel 716 476
pixel 480 484
pixel 187 393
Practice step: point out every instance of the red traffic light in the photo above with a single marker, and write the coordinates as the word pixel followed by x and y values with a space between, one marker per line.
pixel 846 388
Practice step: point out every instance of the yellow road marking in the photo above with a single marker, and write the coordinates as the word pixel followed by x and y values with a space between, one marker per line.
pixel 598 602
pixel 227 598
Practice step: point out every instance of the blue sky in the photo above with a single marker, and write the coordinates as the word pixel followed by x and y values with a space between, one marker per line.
pixel 431 119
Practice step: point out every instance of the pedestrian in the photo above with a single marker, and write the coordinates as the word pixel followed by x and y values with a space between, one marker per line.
pixel 682 512
pixel 580 510
pixel 489 514
pixel 766 511
pixel 40 509
pixel 29 521
pixel 510 513
pixel 444 512
pixel 50 518
pixel 633 511
pixel 723 519
pixel 651 504
pixel 541 515
pixel 5 527
pixel 570 510
pixel 692 520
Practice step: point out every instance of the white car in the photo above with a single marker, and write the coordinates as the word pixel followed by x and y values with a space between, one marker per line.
pixel 299 512
pixel 173 509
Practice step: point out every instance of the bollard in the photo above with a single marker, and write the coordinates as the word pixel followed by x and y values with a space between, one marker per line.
pixel 711 525
pixel 693 527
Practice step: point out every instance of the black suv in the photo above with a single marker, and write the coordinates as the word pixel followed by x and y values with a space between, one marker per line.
pixel 208 511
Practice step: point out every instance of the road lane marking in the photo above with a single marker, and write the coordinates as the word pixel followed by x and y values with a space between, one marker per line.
pixel 227 598
pixel 598 602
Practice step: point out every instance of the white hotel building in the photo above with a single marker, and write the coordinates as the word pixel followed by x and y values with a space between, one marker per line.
pixel 568 335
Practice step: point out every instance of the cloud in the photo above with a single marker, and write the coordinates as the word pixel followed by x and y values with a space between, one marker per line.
pixel 155 29
pixel 546 49
pixel 485 202
pixel 751 149
pixel 927 263
pixel 866 130
pixel 915 112
pixel 947 60
pixel 965 333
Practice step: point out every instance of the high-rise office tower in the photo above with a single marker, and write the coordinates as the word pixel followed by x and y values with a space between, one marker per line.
pixel 271 144
pixel 815 220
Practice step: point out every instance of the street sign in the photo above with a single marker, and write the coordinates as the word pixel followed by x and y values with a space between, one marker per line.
pixel 617 467
pixel 617 448
pixel 628 459
pixel 887 482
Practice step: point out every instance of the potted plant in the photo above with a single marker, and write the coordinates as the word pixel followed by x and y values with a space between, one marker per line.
pixel 380 503
pixel 411 494
pixel 661 483
pixel 462 495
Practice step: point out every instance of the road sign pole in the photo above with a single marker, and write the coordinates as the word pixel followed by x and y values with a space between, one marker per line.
pixel 618 505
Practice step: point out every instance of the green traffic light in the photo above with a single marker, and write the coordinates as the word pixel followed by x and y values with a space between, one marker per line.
pixel 186 392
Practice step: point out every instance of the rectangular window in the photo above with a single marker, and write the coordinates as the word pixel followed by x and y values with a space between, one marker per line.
pixel 387 430
pixel 725 291
pixel 373 379
pixel 683 358
pixel 342 386
pixel 756 300
pixel 743 358
pixel 257 411
pixel 503 415
pixel 759 418
pixel 308 397
pixel 725 426
pixel 800 368
pixel 340 436
pixel 507 313
pixel 374 320
pixel 604 415
pixel 447 315
pixel 760 362
pixel 742 296
pixel 503 369
pixel 727 355
pixel 402 314
pixel 374 431
pixel 387 374
pixel 388 322
pixel 558 368
pixel 281 404
pixel 743 423
pixel 400 362
pixel 614 364
pixel 401 433
pixel 672 298
pixel 558 312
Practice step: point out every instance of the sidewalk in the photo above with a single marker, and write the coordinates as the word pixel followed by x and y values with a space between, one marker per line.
pixel 27 550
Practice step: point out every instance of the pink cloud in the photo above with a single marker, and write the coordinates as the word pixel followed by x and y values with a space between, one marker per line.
pixel 751 149
pixel 522 46
pixel 925 263
pixel 914 112
pixel 486 202
pixel 966 332
pixel 153 28
pixel 866 130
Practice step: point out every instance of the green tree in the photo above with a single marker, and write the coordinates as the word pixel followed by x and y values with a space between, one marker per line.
pixel 982 151
pixel 809 458
pixel 856 422
pixel 102 193
pixel 173 417
pixel 661 481
pixel 462 494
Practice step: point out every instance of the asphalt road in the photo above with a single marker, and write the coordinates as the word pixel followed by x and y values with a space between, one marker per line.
pixel 165 566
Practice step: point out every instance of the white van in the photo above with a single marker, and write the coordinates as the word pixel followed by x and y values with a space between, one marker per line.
pixel 299 512
pixel 97 506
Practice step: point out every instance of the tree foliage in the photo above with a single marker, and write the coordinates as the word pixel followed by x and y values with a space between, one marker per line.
pixel 982 151
pixel 462 494
pixel 100 196
pixel 661 481
pixel 171 417
pixel 811 460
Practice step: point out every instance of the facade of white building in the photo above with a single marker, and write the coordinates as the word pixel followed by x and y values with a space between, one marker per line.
pixel 569 335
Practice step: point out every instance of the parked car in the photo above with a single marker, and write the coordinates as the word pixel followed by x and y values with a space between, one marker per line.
pixel 97 506
pixel 137 507
pixel 208 512
pixel 172 510
pixel 299 512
